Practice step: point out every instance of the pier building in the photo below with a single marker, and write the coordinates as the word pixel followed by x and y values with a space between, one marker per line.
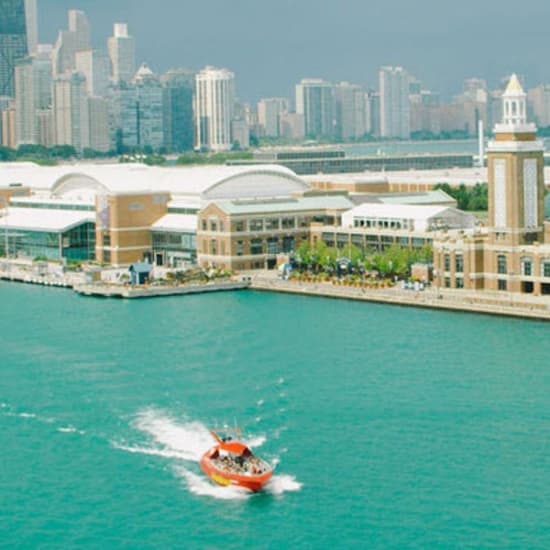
pixel 138 211
pixel 249 234
pixel 513 253
pixel 372 226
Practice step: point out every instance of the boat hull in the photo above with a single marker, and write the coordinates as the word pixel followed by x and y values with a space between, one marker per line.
pixel 224 478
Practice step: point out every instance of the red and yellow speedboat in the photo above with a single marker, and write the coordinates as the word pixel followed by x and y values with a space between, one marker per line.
pixel 232 463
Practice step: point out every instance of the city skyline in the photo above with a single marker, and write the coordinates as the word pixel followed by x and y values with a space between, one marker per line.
pixel 270 59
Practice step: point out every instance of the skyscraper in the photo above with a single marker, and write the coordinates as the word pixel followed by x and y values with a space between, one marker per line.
pixel 178 91
pixel 31 19
pixel 150 129
pixel 315 101
pixel 99 124
pixel 64 51
pixel 69 42
pixel 71 111
pixel 350 115
pixel 269 115
pixel 136 114
pixel 215 96
pixel 95 65
pixel 13 42
pixel 25 122
pixel 394 103
pixel 79 24
pixel 122 51
pixel 33 93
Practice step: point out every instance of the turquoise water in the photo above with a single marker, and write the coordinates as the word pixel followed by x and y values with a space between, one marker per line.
pixel 390 427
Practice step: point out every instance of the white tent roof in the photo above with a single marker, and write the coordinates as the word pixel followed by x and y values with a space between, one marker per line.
pixel 397 211
pixel 37 219
pixel 177 223
pixel 212 182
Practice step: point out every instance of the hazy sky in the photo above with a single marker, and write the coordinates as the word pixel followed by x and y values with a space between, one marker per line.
pixel 270 45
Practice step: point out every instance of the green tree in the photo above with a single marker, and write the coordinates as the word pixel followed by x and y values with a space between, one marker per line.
pixel 353 253
pixel 328 258
pixel 63 152
pixel 304 254
pixel 7 154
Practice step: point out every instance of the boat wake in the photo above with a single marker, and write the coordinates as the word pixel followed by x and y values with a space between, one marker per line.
pixel 184 443
pixel 7 411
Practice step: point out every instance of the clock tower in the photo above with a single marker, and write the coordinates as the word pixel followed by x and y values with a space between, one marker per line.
pixel 516 175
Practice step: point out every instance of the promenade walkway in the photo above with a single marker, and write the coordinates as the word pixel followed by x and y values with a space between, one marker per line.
pixel 490 303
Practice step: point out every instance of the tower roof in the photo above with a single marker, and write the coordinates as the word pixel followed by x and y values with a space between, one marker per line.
pixel 514 86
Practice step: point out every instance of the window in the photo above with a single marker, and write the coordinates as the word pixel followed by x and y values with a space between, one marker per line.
pixel 204 225
pixel 501 264
pixel 256 225
pixel 213 247
pixel 288 244
pixel 240 248
pixel 545 268
pixel 106 239
pixel 273 246
pixel 527 267
pixel 222 226
pixel 447 262
pixel 447 282
pixel 256 246
pixel 459 282
pixel 239 227
pixel 459 263
pixel 502 285
pixel 271 224
pixel 288 223
pixel 213 224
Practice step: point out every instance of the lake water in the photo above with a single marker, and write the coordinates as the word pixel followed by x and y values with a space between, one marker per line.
pixel 389 427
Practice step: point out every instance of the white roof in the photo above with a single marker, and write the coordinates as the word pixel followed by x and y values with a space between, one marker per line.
pixel 398 211
pixel 38 219
pixel 365 177
pixel 186 202
pixel 176 222
pixel 52 201
pixel 219 181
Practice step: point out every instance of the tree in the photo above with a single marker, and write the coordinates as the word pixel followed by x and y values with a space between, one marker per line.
pixel 468 198
pixel 304 254
pixel 32 150
pixel 328 258
pixel 7 154
pixel 353 253
pixel 63 152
